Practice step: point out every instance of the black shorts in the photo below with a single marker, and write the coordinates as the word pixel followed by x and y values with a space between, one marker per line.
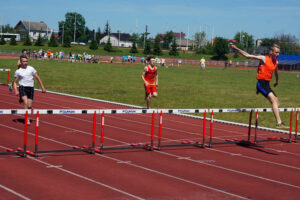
pixel 26 91
pixel 263 87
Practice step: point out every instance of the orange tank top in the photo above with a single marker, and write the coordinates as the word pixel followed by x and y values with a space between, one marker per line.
pixel 265 71
pixel 150 75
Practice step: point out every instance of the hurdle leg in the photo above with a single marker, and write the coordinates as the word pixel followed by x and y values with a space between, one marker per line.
pixel 159 131
pixel 25 134
pixel 204 126
pixel 36 134
pixel 152 129
pixel 256 124
pixel 94 133
pixel 211 128
pixel 296 129
pixel 291 127
pixel 250 123
pixel 102 133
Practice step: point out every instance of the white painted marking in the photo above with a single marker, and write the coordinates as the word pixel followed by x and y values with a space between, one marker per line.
pixel 14 192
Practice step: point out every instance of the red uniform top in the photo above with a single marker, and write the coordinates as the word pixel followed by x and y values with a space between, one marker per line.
pixel 265 71
pixel 150 75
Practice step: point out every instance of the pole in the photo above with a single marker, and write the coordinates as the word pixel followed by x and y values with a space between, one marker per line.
pixel 250 123
pixel 102 132
pixel 204 126
pixel 63 34
pixel 36 134
pixel 75 28
pixel 94 133
pixel 291 126
pixel 296 129
pixel 152 128
pixel 211 128
pixel 160 126
pixel 25 133
pixel 256 124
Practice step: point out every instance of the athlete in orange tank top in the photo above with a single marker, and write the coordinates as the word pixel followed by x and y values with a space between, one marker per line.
pixel 150 78
pixel 268 65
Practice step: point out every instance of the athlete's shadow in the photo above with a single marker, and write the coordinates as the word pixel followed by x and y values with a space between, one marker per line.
pixel 19 120
pixel 256 147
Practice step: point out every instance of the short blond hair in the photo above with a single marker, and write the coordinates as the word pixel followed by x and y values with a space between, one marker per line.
pixel 275 46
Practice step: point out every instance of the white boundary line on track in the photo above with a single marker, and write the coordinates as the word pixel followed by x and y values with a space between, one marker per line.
pixel 79 131
pixel 186 115
pixel 138 166
pixel 14 192
pixel 216 166
pixel 253 175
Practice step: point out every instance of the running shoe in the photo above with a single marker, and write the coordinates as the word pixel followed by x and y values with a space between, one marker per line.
pixel 281 125
pixel 10 88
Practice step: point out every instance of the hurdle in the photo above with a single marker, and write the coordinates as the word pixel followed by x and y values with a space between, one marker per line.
pixel 83 148
pixel 19 151
pixel 182 143
pixel 144 146
pixel 6 70
pixel 161 144
pixel 275 138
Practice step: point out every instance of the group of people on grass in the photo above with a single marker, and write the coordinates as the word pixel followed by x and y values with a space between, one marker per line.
pixel 25 75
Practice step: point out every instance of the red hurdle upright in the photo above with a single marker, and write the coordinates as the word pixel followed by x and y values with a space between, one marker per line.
pixel 102 133
pixel 296 129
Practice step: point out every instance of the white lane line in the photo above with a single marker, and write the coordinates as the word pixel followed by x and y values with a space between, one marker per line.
pixel 235 171
pixel 253 158
pixel 14 192
pixel 141 167
pixel 88 179
pixel 59 167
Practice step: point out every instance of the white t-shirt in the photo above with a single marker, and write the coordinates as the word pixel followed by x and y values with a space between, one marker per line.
pixel 25 76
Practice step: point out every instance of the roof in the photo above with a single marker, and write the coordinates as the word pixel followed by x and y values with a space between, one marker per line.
pixel 34 26
pixel 123 36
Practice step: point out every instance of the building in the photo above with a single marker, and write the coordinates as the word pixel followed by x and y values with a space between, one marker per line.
pixel 118 39
pixel 34 29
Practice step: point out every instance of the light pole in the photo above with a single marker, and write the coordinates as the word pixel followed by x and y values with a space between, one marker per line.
pixel 75 29
pixel 63 34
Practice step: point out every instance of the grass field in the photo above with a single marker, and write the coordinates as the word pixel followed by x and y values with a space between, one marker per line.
pixel 100 51
pixel 184 87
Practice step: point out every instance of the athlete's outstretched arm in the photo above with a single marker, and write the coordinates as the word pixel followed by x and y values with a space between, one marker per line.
pixel 40 82
pixel 247 55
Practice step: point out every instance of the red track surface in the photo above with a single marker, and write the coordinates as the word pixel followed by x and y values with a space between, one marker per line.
pixel 267 171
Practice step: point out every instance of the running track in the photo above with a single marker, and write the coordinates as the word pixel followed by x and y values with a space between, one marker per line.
pixel 268 171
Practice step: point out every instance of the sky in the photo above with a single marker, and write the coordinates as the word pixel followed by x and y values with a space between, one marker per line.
pixel 218 18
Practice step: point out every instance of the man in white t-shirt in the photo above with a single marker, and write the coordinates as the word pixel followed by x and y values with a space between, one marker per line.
pixel 25 75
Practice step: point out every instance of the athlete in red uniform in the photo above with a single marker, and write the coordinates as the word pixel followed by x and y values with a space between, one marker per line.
pixel 150 78
pixel 268 64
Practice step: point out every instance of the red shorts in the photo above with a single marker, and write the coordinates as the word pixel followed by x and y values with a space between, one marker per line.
pixel 150 89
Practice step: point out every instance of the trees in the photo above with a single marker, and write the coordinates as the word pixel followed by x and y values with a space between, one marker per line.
pixel 147 49
pixel 98 35
pixel 94 44
pixel 200 39
pixel 39 41
pixel 245 40
pixel 13 41
pixel 27 41
pixel 107 28
pixel 52 42
pixel 173 51
pixel 73 22
pixel 2 41
pixel 168 38
pixel 108 46
pixel 133 48
pixel 221 48
pixel 157 47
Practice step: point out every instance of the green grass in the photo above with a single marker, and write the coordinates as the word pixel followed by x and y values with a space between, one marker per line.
pixel 100 51
pixel 184 87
